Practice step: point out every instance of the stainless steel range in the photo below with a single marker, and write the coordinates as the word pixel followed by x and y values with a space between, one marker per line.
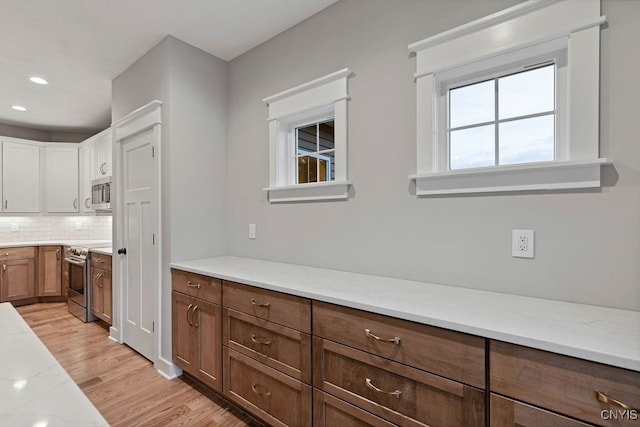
pixel 79 301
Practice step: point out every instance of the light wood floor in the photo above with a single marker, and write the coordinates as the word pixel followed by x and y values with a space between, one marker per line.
pixel 123 385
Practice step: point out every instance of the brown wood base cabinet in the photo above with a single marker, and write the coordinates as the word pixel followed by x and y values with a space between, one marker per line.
pixel 197 327
pixel 101 287
pixel 18 275
pixel 267 354
pixel 292 361
pixel 570 387
pixel 49 271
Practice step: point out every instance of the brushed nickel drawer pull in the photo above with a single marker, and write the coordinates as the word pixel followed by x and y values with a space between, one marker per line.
pixel 264 304
pixel 254 388
pixel 257 341
pixel 188 310
pixel 395 340
pixel 191 285
pixel 396 393
pixel 602 397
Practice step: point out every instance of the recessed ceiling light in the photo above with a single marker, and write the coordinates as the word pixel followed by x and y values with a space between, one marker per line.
pixel 39 80
pixel 18 108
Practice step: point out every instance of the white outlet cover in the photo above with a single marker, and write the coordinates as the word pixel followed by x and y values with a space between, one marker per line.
pixel 15 226
pixel 522 243
pixel 252 231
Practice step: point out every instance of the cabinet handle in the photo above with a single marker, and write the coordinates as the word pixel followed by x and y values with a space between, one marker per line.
pixel 254 388
pixel 396 393
pixel 196 308
pixel 75 203
pixel 103 168
pixel 99 261
pixel 4 267
pixel 6 203
pixel 58 254
pixel 395 340
pixel 86 203
pixel 602 397
pixel 188 310
pixel 191 285
pixel 257 341
pixel 264 304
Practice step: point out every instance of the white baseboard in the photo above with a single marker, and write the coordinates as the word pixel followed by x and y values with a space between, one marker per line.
pixel 167 369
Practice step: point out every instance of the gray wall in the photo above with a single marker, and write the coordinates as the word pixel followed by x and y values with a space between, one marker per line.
pixel 587 242
pixel 192 85
pixel 41 135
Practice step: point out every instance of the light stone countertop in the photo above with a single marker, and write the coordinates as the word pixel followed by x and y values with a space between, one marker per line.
pixel 106 250
pixel 59 242
pixel 35 390
pixel 599 334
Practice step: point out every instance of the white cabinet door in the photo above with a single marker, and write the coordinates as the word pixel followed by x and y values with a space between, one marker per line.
pixel 61 178
pixel 20 177
pixel 102 150
pixel 86 167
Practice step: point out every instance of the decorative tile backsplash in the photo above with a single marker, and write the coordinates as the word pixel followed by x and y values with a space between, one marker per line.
pixel 30 228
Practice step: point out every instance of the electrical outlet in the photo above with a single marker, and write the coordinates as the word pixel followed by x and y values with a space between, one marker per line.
pixel 15 226
pixel 252 231
pixel 78 225
pixel 522 243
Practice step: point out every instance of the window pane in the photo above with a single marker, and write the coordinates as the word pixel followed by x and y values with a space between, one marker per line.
pixel 307 169
pixel 472 104
pixel 528 140
pixel 326 136
pixel 307 138
pixel 473 147
pixel 327 165
pixel 529 92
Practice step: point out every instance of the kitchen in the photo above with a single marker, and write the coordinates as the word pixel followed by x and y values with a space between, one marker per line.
pixel 214 138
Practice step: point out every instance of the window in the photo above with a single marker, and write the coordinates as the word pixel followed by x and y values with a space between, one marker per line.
pixel 308 141
pixel 506 120
pixel 315 147
pixel 510 102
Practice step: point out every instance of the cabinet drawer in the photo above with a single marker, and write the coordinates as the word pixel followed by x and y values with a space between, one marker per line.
pixel 329 411
pixel 287 310
pixel 9 254
pixel 282 348
pixel 271 395
pixel 450 354
pixel 101 261
pixel 509 413
pixel 196 285
pixel 393 391
pixel 564 384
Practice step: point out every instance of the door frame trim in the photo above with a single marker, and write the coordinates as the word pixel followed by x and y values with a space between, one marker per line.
pixel 148 117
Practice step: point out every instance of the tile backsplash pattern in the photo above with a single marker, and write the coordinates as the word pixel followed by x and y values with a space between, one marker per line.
pixel 31 228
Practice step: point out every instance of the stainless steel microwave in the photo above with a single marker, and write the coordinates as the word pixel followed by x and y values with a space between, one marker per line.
pixel 101 194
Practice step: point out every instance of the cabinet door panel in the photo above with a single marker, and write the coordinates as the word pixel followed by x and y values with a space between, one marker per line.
pixel 50 271
pixel 18 279
pixel 96 292
pixel 329 411
pixel 183 338
pixel 61 179
pixel 207 319
pixel 393 391
pixel 20 177
pixel 509 413
pixel 107 304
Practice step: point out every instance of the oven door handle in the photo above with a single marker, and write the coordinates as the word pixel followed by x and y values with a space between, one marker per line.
pixel 80 263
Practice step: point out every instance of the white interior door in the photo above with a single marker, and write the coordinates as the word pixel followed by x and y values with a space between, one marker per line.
pixel 141 284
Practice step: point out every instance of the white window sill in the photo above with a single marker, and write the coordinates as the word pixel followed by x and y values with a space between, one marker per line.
pixel 523 177
pixel 334 190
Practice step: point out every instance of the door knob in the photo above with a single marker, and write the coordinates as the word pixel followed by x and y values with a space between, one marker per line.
pixel 122 251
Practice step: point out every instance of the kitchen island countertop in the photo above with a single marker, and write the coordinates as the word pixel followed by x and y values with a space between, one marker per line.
pixel 599 334
pixel 35 389
pixel 58 242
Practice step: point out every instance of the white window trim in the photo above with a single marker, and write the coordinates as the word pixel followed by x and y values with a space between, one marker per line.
pixel 316 100
pixel 525 26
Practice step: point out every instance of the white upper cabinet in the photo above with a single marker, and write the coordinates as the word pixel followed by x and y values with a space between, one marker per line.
pixel 102 154
pixel 86 161
pixel 61 178
pixel 20 177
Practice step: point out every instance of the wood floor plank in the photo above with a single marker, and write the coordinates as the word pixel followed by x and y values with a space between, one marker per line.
pixel 123 385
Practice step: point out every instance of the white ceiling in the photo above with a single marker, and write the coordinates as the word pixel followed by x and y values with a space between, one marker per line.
pixel 79 46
